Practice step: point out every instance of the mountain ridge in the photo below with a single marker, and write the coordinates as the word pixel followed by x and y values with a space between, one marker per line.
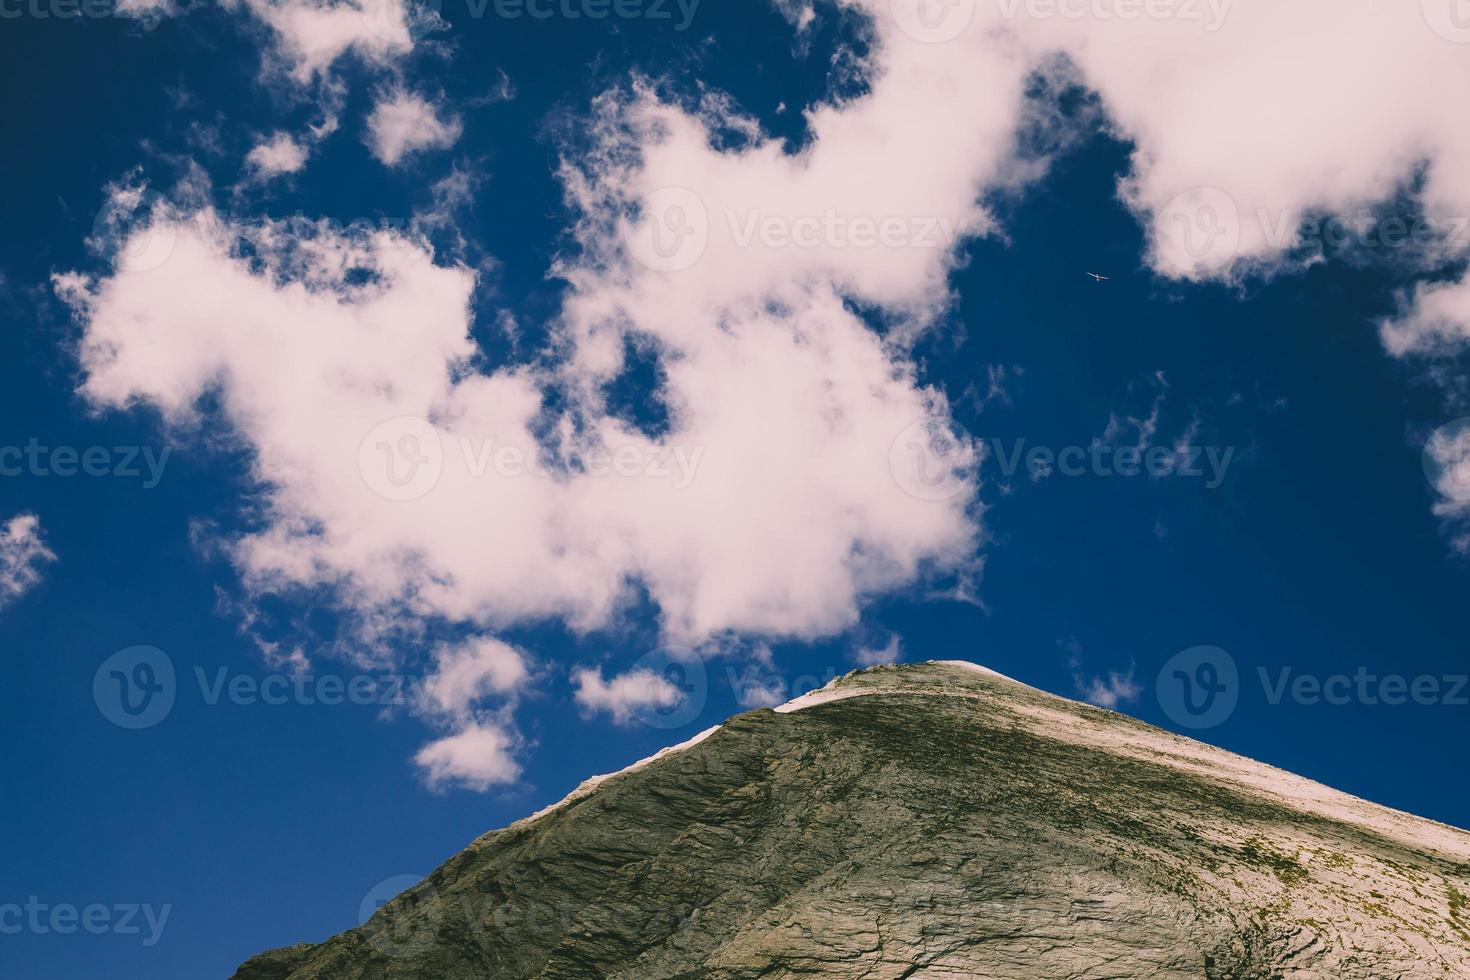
pixel 930 820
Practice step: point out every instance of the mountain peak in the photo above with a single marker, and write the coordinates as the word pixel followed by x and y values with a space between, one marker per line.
pixel 936 820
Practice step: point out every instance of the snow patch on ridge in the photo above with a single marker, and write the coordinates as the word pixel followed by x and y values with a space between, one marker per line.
pixel 822 696
pixel 590 784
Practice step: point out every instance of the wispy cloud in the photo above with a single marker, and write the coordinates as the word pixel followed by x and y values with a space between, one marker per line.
pixel 890 653
pixel 23 554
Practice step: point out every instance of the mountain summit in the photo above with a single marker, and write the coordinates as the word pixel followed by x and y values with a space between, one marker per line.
pixel 930 821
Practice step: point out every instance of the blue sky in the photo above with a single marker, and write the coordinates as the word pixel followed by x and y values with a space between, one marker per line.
pixel 362 685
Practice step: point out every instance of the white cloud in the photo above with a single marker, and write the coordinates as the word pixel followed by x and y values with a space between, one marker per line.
pixel 759 692
pixel 889 653
pixel 471 691
pixel 310 35
pixel 479 668
pixel 1116 689
pixel 625 694
pixel 280 154
pixel 145 9
pixel 1245 137
pixel 402 123
pixel 1447 465
pixel 783 433
pixel 23 552
pixel 477 757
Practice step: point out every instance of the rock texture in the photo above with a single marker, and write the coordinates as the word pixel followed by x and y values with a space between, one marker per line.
pixel 931 821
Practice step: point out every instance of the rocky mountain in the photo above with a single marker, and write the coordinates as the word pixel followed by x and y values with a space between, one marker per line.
pixel 930 821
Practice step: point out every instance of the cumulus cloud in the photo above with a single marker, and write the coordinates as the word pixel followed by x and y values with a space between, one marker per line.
pixel 471 691
pixel 624 695
pixel 23 553
pixel 477 757
pixel 280 154
pixel 772 506
pixel 402 123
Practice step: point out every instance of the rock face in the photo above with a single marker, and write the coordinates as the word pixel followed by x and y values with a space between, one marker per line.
pixel 931 821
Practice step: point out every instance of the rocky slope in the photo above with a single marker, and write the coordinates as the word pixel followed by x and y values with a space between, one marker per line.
pixel 931 821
